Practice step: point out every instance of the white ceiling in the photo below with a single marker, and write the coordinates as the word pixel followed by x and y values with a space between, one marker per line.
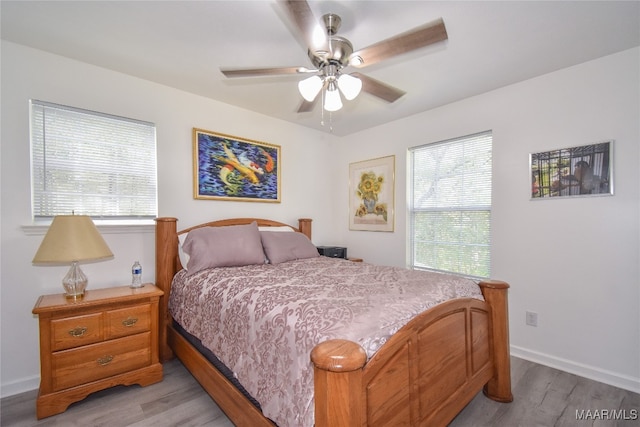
pixel 183 44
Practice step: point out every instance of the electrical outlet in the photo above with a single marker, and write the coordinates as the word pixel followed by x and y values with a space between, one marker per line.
pixel 532 318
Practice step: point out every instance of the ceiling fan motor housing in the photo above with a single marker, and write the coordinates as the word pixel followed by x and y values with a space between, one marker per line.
pixel 337 49
pixel 337 52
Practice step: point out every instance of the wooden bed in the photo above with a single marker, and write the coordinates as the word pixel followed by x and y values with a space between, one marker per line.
pixel 424 375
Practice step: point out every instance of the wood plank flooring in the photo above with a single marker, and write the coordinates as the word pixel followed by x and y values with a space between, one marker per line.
pixel 542 397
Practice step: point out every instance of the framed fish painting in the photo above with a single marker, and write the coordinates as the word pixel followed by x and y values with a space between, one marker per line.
pixel 230 168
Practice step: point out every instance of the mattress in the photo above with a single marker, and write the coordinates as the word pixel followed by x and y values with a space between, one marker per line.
pixel 262 321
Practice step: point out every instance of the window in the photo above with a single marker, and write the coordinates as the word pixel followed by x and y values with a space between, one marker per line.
pixel 92 164
pixel 450 205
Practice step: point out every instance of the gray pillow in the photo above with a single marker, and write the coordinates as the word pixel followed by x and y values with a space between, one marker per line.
pixel 281 247
pixel 230 246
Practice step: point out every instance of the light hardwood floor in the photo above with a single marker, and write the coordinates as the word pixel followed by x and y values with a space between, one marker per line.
pixel 542 397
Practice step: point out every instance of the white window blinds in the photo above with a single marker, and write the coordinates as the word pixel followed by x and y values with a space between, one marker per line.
pixel 92 164
pixel 450 205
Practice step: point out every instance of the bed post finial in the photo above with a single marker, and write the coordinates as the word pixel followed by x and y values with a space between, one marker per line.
pixel 337 370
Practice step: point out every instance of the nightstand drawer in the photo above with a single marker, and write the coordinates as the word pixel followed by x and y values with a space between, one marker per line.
pixel 127 321
pixel 94 362
pixel 76 331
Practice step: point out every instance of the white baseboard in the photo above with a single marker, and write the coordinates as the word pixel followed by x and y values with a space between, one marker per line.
pixel 601 375
pixel 21 386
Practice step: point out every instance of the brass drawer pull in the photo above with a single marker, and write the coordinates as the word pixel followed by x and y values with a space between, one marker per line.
pixel 78 332
pixel 129 321
pixel 103 361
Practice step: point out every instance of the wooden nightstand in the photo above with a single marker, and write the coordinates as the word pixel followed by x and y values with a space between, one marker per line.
pixel 107 338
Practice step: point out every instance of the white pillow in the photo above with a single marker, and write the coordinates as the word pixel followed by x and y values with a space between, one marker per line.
pixel 285 228
pixel 184 257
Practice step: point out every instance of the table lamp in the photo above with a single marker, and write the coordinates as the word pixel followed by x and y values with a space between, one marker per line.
pixel 71 239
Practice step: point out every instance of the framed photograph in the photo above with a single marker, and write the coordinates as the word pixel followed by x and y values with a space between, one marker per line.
pixel 371 194
pixel 231 168
pixel 573 172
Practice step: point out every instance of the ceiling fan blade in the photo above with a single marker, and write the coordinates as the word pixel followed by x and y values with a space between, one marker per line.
pixel 253 72
pixel 309 28
pixel 378 88
pixel 416 38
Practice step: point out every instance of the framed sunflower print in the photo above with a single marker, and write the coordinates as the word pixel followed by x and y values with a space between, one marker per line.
pixel 371 194
pixel 231 168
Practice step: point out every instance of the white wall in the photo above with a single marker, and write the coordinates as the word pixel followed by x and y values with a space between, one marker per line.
pixel 573 261
pixel 31 74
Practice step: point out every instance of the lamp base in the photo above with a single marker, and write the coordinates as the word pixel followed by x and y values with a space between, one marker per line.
pixel 75 282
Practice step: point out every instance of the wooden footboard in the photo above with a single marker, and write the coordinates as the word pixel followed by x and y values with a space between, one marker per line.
pixel 424 375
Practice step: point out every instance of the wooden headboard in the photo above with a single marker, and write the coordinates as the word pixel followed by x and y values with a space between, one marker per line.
pixel 168 261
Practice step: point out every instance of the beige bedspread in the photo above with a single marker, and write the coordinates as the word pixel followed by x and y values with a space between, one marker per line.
pixel 263 320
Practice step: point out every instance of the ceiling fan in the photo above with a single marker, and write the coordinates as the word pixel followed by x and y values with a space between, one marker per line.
pixel 330 54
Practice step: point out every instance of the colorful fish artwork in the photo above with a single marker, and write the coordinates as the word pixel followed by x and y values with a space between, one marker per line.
pixel 231 168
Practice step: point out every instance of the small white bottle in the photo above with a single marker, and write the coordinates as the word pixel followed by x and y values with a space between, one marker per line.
pixel 136 275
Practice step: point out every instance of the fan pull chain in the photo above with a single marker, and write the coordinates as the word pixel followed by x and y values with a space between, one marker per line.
pixel 331 112
pixel 330 119
pixel 322 108
pixel 322 113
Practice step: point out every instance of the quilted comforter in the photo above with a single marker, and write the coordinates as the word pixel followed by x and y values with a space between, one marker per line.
pixel 262 321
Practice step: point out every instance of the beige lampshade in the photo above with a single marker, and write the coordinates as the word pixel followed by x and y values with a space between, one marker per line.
pixel 72 238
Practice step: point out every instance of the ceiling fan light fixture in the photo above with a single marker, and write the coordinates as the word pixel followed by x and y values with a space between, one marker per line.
pixel 350 86
pixel 310 87
pixel 332 101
